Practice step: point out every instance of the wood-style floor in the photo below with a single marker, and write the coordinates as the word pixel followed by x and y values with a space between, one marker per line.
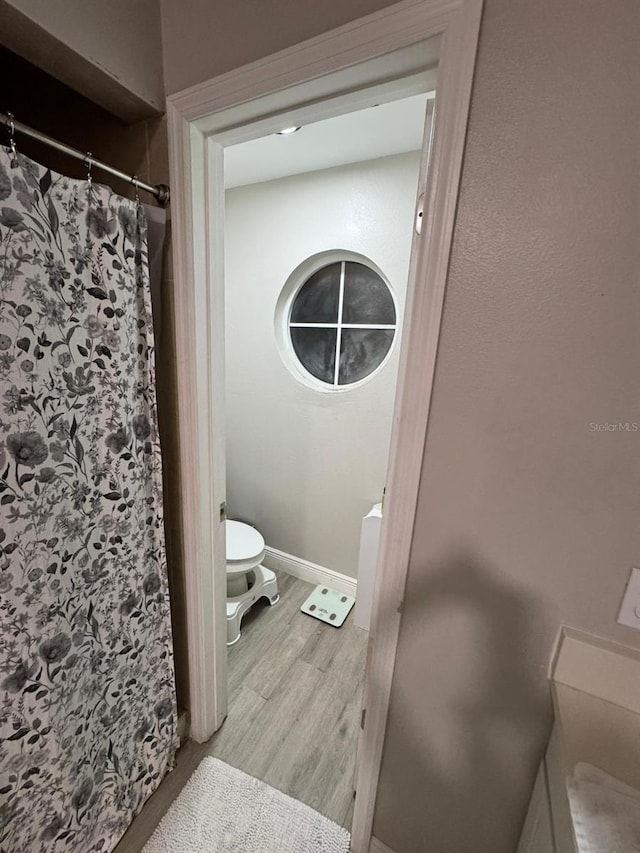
pixel 295 689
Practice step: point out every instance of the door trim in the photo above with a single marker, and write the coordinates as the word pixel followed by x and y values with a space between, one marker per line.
pixel 196 172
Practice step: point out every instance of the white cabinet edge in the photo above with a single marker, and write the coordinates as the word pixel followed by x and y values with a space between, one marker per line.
pixel 599 667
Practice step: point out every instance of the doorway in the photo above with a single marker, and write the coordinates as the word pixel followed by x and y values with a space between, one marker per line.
pixel 385 49
pixel 318 233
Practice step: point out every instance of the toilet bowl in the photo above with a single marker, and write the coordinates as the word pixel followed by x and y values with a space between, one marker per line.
pixel 247 579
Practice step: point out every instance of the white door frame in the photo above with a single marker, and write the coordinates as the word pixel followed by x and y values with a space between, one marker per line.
pixel 197 211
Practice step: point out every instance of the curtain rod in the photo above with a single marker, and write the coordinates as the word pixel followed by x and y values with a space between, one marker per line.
pixel 161 191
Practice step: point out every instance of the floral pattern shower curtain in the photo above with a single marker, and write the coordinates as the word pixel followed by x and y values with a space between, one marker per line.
pixel 87 701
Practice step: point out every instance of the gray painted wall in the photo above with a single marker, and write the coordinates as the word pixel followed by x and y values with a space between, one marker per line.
pixel 305 465
pixel 527 518
pixel 202 39
pixel 110 52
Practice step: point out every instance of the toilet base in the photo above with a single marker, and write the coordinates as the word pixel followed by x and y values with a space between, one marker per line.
pixel 265 585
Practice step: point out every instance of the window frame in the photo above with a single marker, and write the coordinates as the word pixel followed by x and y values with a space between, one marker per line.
pixel 284 309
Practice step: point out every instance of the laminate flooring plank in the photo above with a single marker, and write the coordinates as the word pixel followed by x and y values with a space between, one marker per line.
pixel 273 665
pixel 330 788
pixel 246 707
pixel 340 651
pixel 262 626
pixel 293 766
pixel 280 713
pixel 347 818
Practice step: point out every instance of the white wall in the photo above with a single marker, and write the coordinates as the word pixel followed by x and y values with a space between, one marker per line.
pixel 304 465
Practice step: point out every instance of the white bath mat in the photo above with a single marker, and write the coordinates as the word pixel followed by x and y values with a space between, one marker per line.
pixel 222 810
pixel 605 812
pixel 328 605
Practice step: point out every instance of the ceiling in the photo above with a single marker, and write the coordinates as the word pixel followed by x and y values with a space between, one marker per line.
pixel 390 128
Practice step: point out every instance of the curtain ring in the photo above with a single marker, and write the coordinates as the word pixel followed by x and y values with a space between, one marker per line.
pixel 12 141
pixel 88 161
pixel 135 182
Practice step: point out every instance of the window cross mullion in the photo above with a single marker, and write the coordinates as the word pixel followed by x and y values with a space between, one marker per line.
pixel 336 372
pixel 325 294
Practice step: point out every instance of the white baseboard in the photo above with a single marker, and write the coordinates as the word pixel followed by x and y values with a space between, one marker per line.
pixel 307 571
pixel 377 846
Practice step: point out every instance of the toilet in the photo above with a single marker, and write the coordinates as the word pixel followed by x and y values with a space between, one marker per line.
pixel 247 579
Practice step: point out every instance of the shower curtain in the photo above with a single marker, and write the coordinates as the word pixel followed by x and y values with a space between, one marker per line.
pixel 88 722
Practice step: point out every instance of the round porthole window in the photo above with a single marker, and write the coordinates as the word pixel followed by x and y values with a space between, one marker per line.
pixel 341 321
